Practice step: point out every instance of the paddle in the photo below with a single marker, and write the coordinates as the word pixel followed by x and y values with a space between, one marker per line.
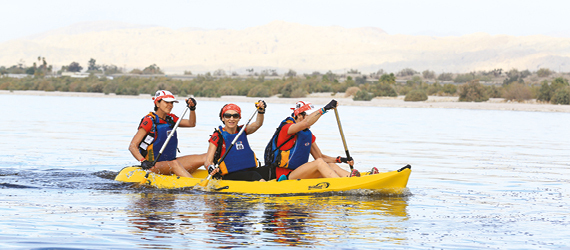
pixel 342 136
pixel 167 140
pixel 170 136
pixel 204 182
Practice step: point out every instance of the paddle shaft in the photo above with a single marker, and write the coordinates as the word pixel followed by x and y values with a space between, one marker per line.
pixel 342 136
pixel 228 149
pixel 170 136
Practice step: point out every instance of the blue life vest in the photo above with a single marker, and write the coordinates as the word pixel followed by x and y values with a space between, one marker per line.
pixel 157 137
pixel 240 157
pixel 294 157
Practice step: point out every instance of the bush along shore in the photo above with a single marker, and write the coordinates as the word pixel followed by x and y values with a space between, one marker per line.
pixel 555 91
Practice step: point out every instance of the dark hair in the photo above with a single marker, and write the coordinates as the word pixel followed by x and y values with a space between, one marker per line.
pixel 221 110
pixel 295 116
pixel 156 107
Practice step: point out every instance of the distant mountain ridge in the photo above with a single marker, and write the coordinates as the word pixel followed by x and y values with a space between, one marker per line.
pixel 283 46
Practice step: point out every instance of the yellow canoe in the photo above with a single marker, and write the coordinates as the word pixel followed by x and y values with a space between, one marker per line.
pixel 393 182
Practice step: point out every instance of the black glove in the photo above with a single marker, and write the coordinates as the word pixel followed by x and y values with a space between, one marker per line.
pixel 190 106
pixel 261 109
pixel 331 105
pixel 146 165
pixel 343 159
pixel 211 168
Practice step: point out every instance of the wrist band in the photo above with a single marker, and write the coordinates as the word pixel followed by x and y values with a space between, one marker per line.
pixel 323 111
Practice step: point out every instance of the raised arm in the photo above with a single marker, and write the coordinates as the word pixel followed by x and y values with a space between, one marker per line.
pixel 191 121
pixel 311 119
pixel 251 128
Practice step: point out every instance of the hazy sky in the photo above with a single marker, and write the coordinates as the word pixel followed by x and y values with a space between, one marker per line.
pixel 442 17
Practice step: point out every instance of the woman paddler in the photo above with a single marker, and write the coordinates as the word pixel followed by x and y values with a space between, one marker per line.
pixel 240 163
pixel 287 153
pixel 152 133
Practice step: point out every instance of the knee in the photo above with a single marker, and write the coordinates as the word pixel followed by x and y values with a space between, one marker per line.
pixel 176 164
pixel 320 161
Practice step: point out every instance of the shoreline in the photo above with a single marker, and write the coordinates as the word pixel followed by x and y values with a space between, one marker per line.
pixel 450 102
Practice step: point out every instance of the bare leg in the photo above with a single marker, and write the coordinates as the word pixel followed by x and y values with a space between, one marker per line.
pixel 315 169
pixel 192 162
pixel 170 167
pixel 341 172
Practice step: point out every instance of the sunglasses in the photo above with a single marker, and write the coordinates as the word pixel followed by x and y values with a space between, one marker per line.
pixel 228 115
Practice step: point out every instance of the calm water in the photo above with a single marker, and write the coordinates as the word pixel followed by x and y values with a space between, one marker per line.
pixel 481 179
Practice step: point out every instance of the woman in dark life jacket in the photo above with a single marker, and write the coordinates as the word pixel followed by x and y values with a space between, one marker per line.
pixel 287 153
pixel 240 163
pixel 152 132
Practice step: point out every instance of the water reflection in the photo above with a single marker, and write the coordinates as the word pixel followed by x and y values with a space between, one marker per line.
pixel 288 223
pixel 226 220
pixel 153 213
pixel 231 219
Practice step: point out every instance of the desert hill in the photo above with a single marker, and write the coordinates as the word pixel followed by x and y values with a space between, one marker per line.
pixel 282 46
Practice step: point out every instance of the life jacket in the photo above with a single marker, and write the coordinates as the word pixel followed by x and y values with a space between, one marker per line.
pixel 240 157
pixel 152 143
pixel 294 157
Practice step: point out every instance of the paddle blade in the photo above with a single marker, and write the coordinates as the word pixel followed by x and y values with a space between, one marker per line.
pixel 143 181
pixel 204 182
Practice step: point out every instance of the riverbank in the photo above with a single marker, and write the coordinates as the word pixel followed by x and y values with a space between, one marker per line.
pixel 323 98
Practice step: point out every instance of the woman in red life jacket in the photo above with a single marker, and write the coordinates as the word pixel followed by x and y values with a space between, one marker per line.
pixel 240 163
pixel 152 133
pixel 288 152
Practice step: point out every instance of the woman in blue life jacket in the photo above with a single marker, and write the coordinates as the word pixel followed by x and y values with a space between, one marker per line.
pixel 287 154
pixel 152 133
pixel 240 163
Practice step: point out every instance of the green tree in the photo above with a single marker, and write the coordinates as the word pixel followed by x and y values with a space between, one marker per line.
pixel 559 82
pixel 407 72
pixel 360 80
pixel 472 91
pixel 428 74
pixel 31 70
pixel 74 67
pixel 494 92
pixel 329 76
pixel 543 72
pixel 445 77
pixel 92 66
pixel 513 76
pixel 561 96
pixel 544 93
pixel 416 95
pixel 152 70
pixel 388 78
pixel 111 69
pixel 363 95
pixel 384 89
pixel 291 73
pixel 460 78
pixel 449 88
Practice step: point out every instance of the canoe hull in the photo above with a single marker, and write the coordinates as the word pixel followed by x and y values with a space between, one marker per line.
pixel 393 182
